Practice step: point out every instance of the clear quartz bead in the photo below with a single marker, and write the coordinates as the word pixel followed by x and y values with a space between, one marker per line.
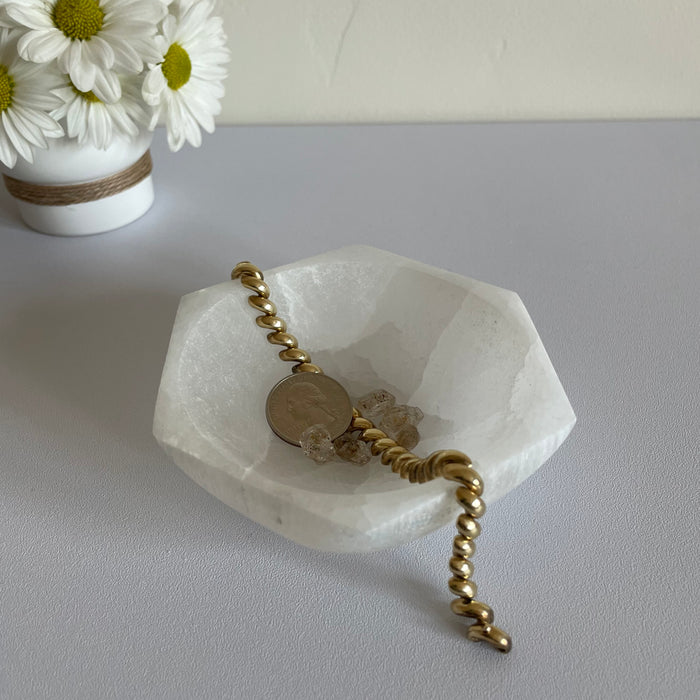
pixel 316 444
pixel 398 417
pixel 408 437
pixel 400 422
pixel 350 448
pixel 375 404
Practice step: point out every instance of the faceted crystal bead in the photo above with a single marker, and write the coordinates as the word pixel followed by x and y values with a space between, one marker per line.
pixel 415 415
pixel 316 444
pixel 351 449
pixel 398 417
pixel 375 404
pixel 399 423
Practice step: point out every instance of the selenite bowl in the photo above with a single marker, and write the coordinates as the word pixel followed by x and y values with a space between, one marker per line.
pixel 465 352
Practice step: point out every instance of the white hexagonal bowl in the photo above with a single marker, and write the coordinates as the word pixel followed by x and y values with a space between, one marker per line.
pixel 465 352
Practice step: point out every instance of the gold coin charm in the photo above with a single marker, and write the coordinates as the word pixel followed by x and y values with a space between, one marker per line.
pixel 302 400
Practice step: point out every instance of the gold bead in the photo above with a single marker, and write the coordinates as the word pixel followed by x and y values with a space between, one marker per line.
pixel 246 268
pixel 294 355
pixel 372 434
pixel 272 323
pixel 392 453
pixel 378 446
pixel 306 367
pixel 416 475
pixel 464 588
pixel 279 338
pixel 408 467
pixel 470 502
pixel 490 634
pixel 463 546
pixel 359 423
pixel 468 527
pixel 403 462
pixel 438 460
pixel 256 285
pixel 464 475
pixel 473 609
pixel 264 305
pixel 461 567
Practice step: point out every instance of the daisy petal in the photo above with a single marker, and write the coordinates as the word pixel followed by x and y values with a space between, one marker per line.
pixel 125 56
pixel 49 127
pixel 192 130
pixel 81 121
pixel 101 126
pixel 83 75
pixel 99 52
pixel 169 28
pixel 36 100
pixel 122 121
pixel 28 130
pixel 93 126
pixel 199 111
pixel 73 117
pixel 155 118
pixel 29 17
pixel 8 155
pixel 153 86
pixel 72 56
pixel 174 122
pixel 41 46
pixel 16 139
pixel 194 20
pixel 107 87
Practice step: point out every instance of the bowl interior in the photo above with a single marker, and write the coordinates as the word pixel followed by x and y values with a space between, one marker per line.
pixel 455 351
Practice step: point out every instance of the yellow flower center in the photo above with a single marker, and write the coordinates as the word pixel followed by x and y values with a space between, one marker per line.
pixel 7 89
pixel 78 19
pixel 176 66
pixel 88 96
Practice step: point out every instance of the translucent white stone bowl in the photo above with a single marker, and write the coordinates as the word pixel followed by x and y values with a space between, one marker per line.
pixel 464 351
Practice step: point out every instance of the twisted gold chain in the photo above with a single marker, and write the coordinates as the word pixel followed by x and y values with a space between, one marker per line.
pixel 252 278
pixel 450 464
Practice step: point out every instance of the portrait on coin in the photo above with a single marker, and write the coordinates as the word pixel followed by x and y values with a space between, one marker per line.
pixel 308 405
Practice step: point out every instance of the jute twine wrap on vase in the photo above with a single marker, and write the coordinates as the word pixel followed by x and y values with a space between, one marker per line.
pixel 64 195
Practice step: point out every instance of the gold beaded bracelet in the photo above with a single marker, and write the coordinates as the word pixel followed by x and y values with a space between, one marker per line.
pixel 450 464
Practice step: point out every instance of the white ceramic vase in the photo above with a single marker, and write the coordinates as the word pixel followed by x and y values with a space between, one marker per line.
pixel 116 182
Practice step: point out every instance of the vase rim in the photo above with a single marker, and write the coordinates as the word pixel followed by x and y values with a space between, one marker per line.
pixel 67 162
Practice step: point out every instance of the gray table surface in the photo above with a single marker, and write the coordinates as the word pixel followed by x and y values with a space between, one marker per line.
pixel 119 577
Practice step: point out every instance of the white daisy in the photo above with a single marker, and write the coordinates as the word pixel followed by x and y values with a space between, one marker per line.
pixel 89 119
pixel 25 103
pixel 187 83
pixel 91 39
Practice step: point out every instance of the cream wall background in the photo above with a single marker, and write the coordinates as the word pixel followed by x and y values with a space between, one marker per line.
pixel 455 60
